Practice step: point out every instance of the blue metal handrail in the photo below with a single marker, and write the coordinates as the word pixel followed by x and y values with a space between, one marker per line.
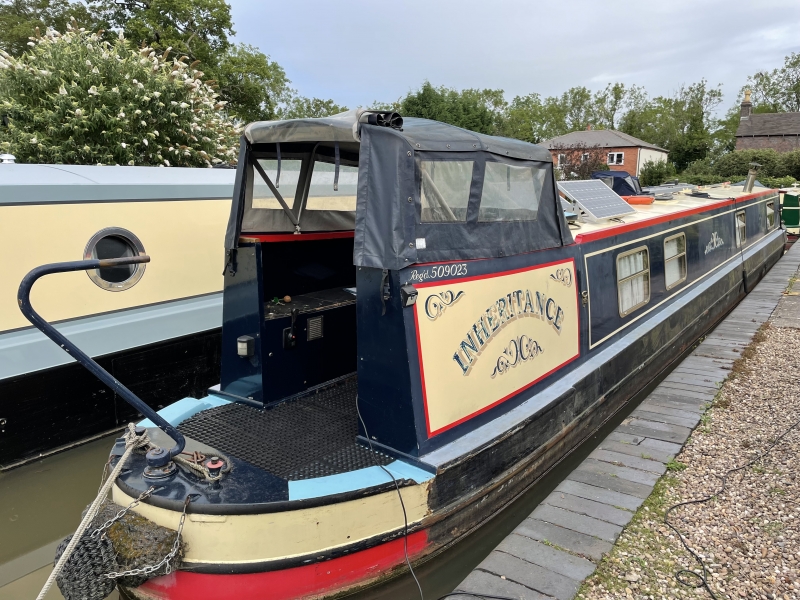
pixel 156 457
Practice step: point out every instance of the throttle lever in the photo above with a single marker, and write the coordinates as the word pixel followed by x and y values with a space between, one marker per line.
pixel 289 335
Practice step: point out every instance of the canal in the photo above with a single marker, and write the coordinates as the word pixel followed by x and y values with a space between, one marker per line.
pixel 42 502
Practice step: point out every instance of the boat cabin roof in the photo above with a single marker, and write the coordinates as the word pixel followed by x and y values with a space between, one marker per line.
pixel 421 135
pixel 46 184
pixel 685 201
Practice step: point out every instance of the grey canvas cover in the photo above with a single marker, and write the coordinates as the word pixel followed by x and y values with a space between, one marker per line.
pixel 401 215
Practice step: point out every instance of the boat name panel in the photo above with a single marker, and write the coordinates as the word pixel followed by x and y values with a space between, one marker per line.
pixel 484 339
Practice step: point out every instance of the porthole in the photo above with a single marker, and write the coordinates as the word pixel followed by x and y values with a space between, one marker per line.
pixel 114 242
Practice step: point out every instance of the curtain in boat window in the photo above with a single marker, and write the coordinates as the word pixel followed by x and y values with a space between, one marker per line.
pixel 633 280
pixel 674 260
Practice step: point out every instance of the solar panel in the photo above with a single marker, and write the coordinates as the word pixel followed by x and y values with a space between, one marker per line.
pixel 596 199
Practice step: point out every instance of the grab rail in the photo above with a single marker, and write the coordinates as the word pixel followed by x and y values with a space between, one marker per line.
pixel 156 457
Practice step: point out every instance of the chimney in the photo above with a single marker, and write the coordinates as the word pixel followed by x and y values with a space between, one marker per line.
pixel 747 107
pixel 589 127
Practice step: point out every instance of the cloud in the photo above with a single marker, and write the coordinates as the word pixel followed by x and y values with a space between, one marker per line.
pixel 358 51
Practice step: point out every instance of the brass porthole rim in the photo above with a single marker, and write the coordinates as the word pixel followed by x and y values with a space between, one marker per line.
pixel 94 274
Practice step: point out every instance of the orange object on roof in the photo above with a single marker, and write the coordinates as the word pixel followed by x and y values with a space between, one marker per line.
pixel 639 199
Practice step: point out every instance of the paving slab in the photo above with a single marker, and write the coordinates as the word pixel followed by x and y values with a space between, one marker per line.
pixel 645 442
pixel 590 508
pixel 606 496
pixel 628 460
pixel 546 556
pixel 593 465
pixel 615 484
pixel 684 412
pixel 531 576
pixel 689 422
pixel 634 450
pixel 580 523
pixel 661 403
pixel 578 543
pixel 489 584
pixel 644 429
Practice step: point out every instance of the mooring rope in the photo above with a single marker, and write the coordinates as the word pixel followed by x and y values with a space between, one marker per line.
pixel 132 442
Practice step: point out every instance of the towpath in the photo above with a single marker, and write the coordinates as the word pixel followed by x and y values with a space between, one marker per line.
pixel 561 543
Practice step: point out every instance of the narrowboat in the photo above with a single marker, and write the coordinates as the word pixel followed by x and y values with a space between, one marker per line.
pixel 145 325
pixel 412 335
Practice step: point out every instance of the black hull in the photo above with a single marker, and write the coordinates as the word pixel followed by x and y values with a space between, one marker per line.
pixel 52 410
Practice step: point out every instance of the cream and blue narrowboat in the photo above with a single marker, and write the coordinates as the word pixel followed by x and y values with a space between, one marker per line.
pixel 155 327
pixel 412 335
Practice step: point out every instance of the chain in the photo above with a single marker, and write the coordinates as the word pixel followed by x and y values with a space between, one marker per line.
pixel 164 561
pixel 123 512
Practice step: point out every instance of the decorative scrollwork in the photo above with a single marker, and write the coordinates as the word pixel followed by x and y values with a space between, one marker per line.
pixel 436 304
pixel 562 275
pixel 519 350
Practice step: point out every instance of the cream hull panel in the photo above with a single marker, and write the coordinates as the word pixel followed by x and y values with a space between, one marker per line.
pixel 241 539
pixel 185 240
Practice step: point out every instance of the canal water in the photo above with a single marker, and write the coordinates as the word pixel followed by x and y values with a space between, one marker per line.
pixel 42 502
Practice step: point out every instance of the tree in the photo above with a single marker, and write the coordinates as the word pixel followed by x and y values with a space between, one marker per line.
pixel 578 161
pixel 197 28
pixel 20 18
pixel 78 99
pixel 682 123
pixel 469 109
pixel 777 90
pixel 253 85
pixel 299 107
pixel 656 172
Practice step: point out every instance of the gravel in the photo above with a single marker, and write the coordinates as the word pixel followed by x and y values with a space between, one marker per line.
pixel 749 536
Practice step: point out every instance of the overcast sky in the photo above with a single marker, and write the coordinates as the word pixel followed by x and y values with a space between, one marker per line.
pixel 356 52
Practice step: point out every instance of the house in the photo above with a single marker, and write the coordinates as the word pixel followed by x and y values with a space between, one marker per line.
pixel 780 131
pixel 624 152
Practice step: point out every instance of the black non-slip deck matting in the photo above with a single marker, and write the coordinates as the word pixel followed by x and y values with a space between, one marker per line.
pixel 309 437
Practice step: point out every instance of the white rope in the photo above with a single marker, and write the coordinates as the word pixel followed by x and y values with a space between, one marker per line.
pixel 132 442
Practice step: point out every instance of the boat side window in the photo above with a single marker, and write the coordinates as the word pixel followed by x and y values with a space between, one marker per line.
pixel 511 193
pixel 633 280
pixel 114 242
pixel 770 214
pixel 675 260
pixel 741 228
pixel 321 192
pixel 286 184
pixel 444 190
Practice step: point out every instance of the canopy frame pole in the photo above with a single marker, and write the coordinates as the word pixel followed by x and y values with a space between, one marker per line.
pixel 277 195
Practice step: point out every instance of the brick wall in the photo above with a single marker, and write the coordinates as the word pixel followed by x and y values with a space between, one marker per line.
pixel 631 159
pixel 782 143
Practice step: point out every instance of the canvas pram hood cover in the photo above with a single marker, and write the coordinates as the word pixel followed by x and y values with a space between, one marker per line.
pixel 425 191
pixel 622 182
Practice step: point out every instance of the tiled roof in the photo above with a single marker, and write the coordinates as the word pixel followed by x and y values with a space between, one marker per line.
pixel 770 124
pixel 605 138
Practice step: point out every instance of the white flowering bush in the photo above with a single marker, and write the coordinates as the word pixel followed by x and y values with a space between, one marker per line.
pixel 77 99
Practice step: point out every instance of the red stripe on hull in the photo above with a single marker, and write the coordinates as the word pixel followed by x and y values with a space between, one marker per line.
pixel 309 581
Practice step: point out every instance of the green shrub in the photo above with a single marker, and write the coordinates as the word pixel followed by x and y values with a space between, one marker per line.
pixel 789 164
pixel 77 99
pixel 778 182
pixel 707 179
pixel 738 161
pixel 698 167
pixel 656 173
